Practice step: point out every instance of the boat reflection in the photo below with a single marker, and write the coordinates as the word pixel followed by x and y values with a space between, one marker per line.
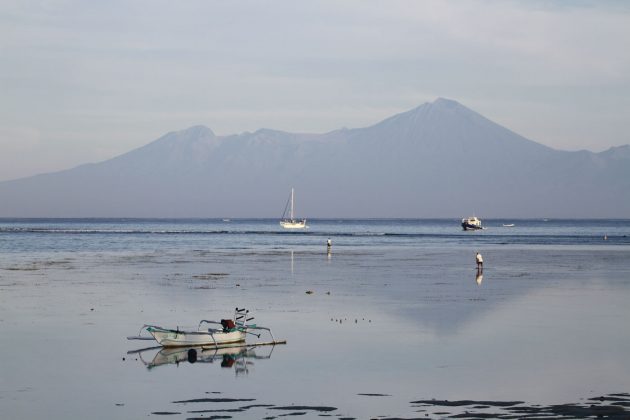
pixel 240 358
pixel 291 262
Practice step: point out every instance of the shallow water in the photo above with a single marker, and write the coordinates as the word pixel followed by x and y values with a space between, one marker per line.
pixel 397 315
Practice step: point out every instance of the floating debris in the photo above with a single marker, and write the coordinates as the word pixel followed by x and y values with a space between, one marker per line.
pixel 215 400
pixel 304 407
pixel 375 395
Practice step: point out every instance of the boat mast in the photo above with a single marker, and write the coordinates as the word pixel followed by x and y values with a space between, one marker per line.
pixel 291 203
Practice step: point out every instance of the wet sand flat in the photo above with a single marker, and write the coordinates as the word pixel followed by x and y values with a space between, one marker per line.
pixel 394 332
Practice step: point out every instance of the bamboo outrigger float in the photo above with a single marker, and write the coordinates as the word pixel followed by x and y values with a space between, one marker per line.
pixel 232 331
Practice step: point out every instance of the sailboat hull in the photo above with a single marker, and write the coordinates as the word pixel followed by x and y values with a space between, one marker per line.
pixel 293 224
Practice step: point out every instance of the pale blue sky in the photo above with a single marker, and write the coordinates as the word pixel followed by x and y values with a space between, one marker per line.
pixel 83 81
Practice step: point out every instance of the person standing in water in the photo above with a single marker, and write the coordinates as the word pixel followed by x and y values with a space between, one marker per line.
pixel 328 244
pixel 479 260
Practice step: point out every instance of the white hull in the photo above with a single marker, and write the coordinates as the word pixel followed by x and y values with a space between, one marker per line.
pixel 471 223
pixel 293 224
pixel 174 338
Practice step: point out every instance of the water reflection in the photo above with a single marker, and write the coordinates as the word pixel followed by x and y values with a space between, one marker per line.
pixel 240 358
pixel 479 277
pixel 291 261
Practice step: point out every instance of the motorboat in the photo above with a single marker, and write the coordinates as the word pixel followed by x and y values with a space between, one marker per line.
pixel 471 223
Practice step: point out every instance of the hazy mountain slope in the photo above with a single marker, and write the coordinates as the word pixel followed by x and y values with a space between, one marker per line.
pixel 440 159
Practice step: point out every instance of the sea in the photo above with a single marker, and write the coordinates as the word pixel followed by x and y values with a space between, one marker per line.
pixel 393 321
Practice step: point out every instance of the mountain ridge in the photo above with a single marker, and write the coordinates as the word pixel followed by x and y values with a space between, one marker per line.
pixel 440 159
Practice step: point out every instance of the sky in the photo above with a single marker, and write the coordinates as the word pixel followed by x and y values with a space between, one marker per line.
pixel 84 81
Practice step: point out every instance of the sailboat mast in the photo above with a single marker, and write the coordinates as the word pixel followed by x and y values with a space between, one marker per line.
pixel 291 203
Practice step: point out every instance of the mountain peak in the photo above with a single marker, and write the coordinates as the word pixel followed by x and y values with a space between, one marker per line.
pixel 198 138
pixel 445 103
pixel 438 106
pixel 448 106
pixel 268 132
pixel 191 135
pixel 617 152
pixel 198 131
pixel 441 109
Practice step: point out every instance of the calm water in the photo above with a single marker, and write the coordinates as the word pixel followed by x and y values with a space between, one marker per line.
pixel 60 235
pixel 398 314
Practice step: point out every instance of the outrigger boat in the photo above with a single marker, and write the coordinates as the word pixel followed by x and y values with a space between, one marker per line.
pixel 232 331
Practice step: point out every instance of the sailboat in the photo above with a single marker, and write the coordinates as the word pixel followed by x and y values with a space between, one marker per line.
pixel 291 222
